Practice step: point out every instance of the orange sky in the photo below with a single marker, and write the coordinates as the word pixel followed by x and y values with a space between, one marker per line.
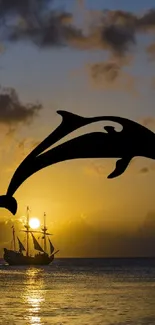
pixel 82 205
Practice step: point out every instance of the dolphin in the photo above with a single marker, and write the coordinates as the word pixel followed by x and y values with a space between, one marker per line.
pixel 133 140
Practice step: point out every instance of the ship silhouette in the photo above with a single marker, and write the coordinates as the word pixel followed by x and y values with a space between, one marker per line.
pixel 22 256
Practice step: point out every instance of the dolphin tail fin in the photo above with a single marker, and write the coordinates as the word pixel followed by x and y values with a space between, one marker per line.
pixel 121 166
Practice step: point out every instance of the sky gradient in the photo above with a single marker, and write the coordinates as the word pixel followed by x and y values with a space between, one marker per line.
pixel 90 71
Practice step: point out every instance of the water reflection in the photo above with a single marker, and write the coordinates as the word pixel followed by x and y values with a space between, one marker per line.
pixel 34 296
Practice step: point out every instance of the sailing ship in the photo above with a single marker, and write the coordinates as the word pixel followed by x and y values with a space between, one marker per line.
pixel 17 257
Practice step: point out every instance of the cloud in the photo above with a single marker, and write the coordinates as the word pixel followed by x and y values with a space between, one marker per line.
pixel 110 76
pixel 106 32
pixel 117 38
pixel 146 22
pixel 116 33
pixel 75 238
pixel 53 30
pixel 119 28
pixel 12 111
pixel 20 149
pixel 112 241
pixel 47 25
pixel 36 21
pixel 26 145
pixel 109 69
pixel 23 8
pixel 96 168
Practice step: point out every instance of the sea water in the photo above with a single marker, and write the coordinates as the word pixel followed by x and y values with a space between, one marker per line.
pixel 79 292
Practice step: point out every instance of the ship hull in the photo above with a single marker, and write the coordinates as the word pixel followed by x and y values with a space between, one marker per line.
pixel 16 258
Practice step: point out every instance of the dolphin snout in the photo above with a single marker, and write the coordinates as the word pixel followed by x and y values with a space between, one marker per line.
pixel 9 203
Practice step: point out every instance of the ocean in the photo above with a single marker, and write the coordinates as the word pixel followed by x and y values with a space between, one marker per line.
pixel 79 292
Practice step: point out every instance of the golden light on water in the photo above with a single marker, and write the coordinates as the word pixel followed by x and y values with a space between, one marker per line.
pixel 33 296
pixel 34 223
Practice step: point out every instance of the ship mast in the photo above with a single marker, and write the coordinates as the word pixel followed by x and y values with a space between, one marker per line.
pixel 27 232
pixel 45 233
pixel 44 229
pixel 14 241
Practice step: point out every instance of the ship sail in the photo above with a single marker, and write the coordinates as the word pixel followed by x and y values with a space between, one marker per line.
pixel 36 244
pixel 51 247
pixel 21 247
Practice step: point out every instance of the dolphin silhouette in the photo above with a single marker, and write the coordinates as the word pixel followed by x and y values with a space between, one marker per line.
pixel 133 140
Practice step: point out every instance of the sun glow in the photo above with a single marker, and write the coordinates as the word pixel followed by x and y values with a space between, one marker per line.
pixel 34 223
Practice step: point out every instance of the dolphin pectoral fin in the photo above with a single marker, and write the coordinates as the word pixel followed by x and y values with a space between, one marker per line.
pixel 121 166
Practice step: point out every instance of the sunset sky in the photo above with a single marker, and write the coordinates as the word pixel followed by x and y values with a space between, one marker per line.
pixel 90 58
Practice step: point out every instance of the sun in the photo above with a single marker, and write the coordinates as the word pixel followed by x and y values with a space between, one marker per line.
pixel 34 223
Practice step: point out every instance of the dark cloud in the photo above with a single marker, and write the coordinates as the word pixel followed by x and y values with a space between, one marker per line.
pixel 37 22
pixel 43 24
pixel 146 22
pixel 135 23
pixel 114 31
pixel 118 38
pixel 121 17
pixel 120 27
pixel 53 30
pixel 12 111
pixel 23 8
